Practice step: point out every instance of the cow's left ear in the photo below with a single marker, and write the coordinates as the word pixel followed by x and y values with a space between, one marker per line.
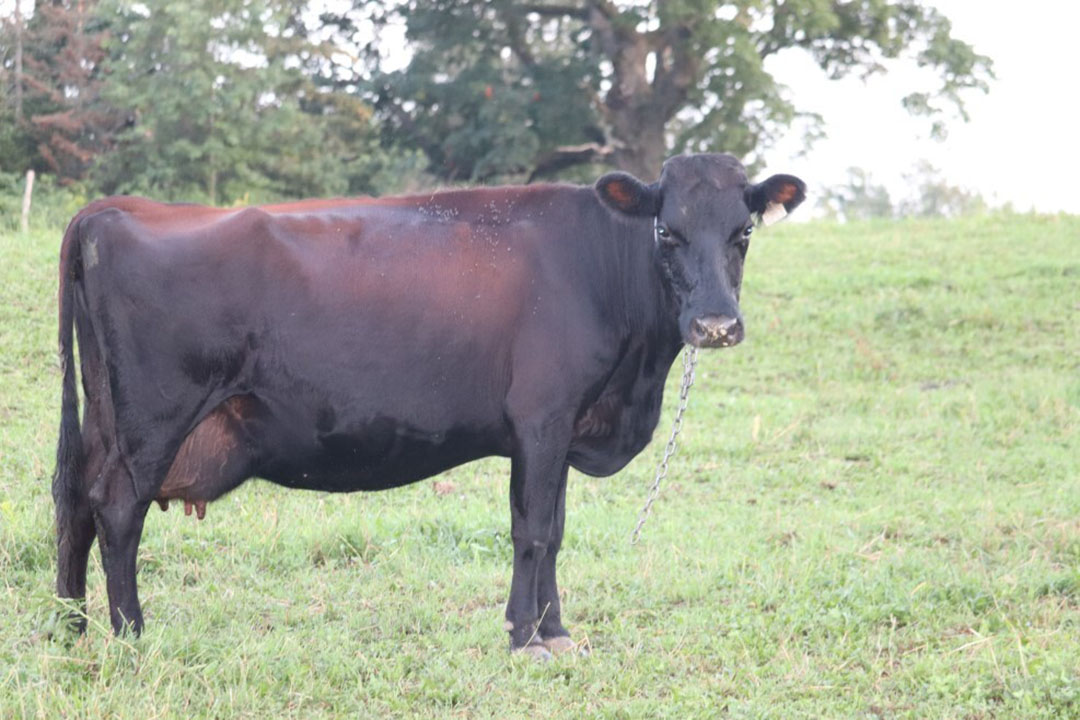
pixel 625 193
pixel 774 198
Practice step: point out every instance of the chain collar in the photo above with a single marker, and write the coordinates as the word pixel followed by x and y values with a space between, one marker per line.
pixel 689 359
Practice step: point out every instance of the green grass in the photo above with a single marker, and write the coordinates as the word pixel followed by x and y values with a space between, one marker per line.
pixel 875 513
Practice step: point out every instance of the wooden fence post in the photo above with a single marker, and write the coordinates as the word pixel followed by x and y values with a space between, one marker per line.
pixel 26 200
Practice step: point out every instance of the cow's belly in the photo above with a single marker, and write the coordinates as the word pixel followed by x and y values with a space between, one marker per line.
pixel 243 437
pixel 384 456
pixel 344 450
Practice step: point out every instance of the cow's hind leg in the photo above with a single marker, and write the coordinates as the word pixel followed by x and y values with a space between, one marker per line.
pixel 118 517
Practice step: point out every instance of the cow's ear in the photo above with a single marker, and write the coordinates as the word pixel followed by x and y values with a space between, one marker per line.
pixel 774 198
pixel 627 194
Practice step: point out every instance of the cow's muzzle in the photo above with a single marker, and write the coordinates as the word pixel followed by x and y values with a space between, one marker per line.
pixel 714 331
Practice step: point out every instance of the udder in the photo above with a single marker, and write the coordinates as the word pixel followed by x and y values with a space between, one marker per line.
pixel 214 458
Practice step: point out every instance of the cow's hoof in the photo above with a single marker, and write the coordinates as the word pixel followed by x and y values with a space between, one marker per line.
pixel 562 645
pixel 535 651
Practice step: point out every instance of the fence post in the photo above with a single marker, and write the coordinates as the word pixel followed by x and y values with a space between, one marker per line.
pixel 26 200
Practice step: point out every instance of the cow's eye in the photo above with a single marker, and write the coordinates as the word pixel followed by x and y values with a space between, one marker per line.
pixel 748 232
pixel 663 233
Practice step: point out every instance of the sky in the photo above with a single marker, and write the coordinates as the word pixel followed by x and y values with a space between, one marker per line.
pixel 1021 146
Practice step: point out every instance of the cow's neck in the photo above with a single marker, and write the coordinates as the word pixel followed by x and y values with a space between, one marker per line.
pixel 651 309
pixel 663 302
pixel 634 294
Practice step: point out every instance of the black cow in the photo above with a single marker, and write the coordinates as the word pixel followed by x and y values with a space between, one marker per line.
pixel 364 344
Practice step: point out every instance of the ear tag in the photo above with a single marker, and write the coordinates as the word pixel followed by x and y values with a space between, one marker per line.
pixel 774 212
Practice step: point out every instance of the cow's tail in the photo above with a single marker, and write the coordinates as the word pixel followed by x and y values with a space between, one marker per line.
pixel 69 451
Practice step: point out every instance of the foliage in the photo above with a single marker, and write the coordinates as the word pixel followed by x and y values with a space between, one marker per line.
pixel 214 101
pixel 934 197
pixel 857 199
pixel 476 113
pixel 236 100
pixel 221 109
pixel 515 87
pixel 17 147
pixel 860 198
pixel 53 203
pixel 65 125
pixel 873 513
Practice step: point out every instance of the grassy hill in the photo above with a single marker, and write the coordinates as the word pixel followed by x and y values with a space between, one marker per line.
pixel 874 513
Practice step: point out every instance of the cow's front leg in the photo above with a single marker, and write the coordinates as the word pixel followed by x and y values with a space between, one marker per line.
pixel 537 476
pixel 555 637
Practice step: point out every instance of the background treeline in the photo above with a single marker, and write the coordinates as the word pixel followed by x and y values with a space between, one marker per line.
pixel 228 101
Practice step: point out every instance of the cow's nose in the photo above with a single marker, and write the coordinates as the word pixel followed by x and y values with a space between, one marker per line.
pixel 716 331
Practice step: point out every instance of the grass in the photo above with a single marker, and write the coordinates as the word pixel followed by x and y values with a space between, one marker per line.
pixel 874 513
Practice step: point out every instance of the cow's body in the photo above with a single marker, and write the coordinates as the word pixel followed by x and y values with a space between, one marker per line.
pixel 370 346
pixel 356 345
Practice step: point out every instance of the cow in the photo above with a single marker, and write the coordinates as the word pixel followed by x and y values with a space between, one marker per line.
pixel 362 344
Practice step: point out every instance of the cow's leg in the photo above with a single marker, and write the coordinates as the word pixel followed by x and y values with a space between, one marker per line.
pixel 555 637
pixel 118 516
pixel 536 477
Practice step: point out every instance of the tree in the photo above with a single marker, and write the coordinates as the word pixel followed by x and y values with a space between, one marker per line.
pixel 934 197
pixel 59 122
pixel 18 60
pixel 222 108
pixel 530 87
pixel 858 199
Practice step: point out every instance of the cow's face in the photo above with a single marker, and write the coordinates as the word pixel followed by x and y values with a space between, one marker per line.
pixel 704 212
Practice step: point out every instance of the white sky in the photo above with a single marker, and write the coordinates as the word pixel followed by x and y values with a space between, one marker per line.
pixel 1022 144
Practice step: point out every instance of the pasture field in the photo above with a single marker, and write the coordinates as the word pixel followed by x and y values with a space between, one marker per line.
pixel 874 513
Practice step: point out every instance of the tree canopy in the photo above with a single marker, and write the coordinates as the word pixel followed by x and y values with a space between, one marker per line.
pixel 928 194
pixel 530 87
pixel 244 99
pixel 55 119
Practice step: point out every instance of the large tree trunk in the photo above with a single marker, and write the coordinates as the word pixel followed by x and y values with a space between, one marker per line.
pixel 640 103
pixel 642 148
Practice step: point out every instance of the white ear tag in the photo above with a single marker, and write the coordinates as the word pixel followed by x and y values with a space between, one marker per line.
pixel 774 212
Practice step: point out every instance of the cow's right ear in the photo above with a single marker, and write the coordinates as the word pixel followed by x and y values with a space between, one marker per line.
pixel 774 198
pixel 626 194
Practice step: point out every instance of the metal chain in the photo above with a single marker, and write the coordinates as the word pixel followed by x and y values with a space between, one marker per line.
pixel 689 360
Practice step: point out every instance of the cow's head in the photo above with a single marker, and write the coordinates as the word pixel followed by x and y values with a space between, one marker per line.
pixel 703 210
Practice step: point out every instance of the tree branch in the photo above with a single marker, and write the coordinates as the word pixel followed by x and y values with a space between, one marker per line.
pixel 676 69
pixel 566 156
pixel 605 7
pixel 545 10
pixel 518 44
